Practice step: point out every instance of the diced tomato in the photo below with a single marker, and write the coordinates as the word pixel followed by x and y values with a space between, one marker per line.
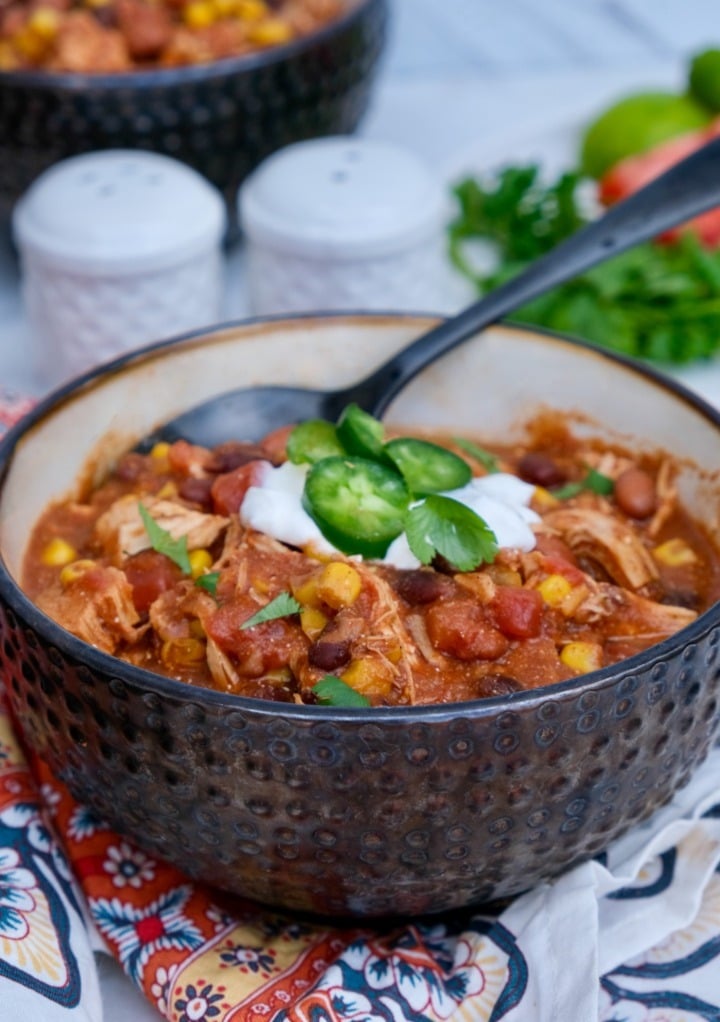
pixel 150 574
pixel 264 647
pixel 518 611
pixel 229 489
pixel 633 173
pixel 462 629
pixel 184 457
pixel 275 444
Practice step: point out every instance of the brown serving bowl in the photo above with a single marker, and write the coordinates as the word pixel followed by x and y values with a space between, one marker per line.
pixel 360 812
pixel 223 118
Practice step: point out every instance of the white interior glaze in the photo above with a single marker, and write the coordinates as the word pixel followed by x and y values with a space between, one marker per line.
pixel 488 387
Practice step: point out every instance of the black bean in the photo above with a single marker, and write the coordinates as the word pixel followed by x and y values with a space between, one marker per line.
pixel 328 655
pixel 421 586
pixel 540 469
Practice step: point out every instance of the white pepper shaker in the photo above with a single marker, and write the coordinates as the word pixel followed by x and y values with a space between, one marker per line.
pixel 118 248
pixel 344 223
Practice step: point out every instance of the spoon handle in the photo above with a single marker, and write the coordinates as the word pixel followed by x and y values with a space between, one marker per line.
pixel 689 188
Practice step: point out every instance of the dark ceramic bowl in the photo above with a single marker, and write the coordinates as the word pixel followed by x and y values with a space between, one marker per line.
pixel 222 118
pixel 362 812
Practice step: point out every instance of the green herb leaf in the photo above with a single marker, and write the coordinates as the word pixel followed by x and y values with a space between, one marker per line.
pixel 282 606
pixel 485 458
pixel 598 482
pixel 163 542
pixel 594 481
pixel 333 691
pixel 656 302
pixel 208 581
pixel 441 525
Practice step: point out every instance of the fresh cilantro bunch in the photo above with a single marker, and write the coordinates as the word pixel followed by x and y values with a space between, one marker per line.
pixel 656 301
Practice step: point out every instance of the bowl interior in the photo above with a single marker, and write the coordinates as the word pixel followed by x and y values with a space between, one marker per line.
pixel 488 388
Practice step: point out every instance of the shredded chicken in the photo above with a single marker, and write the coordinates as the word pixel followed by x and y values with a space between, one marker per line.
pixel 122 532
pixel 634 614
pixel 667 497
pixel 610 542
pixel 97 607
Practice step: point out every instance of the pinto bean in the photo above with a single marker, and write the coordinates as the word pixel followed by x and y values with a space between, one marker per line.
pixel 540 469
pixel 635 493
pixel 196 489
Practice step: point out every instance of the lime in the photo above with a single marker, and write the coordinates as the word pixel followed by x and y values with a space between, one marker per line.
pixel 704 79
pixel 634 125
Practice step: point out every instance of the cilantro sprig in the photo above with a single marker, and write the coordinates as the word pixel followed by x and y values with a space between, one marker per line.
pixel 658 302
pixel 441 525
pixel 284 605
pixel 162 542
pixel 333 691
pixel 594 481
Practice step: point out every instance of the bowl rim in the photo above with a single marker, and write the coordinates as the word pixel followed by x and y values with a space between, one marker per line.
pixel 76 82
pixel 181 692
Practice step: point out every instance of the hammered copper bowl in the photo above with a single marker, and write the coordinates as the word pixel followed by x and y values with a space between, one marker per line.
pixel 360 812
pixel 222 118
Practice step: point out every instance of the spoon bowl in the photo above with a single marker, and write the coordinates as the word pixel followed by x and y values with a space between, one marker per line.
pixel 689 188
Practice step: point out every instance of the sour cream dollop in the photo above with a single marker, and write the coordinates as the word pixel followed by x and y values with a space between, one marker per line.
pixel 273 505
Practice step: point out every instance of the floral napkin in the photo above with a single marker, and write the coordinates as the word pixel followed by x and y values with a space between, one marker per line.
pixel 633 936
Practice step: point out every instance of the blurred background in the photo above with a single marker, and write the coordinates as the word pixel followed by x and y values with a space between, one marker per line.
pixel 467 88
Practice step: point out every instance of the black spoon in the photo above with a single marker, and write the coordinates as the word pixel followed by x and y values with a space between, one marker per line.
pixel 686 190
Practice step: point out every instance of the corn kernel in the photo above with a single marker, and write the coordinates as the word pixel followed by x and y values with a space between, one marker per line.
pixel 582 656
pixel 200 562
pixel 272 32
pixel 224 8
pixel 250 10
pixel 199 14
pixel 339 584
pixel 75 570
pixel 8 60
pixel 29 44
pixel 45 22
pixel 160 451
pixel 183 652
pixel 543 498
pixel 58 552
pixel 369 676
pixel 306 592
pixel 675 553
pixel 554 589
pixel 312 621
pixel 167 491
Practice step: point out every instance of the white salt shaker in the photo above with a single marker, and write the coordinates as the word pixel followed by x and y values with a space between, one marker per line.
pixel 344 223
pixel 118 248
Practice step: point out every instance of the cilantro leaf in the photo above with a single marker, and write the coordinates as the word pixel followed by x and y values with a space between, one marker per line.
pixel 656 302
pixel 441 525
pixel 598 482
pixel 485 458
pixel 282 606
pixel 594 481
pixel 162 542
pixel 333 691
pixel 208 581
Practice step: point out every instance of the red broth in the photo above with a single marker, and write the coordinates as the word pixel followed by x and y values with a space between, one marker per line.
pixel 617 564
